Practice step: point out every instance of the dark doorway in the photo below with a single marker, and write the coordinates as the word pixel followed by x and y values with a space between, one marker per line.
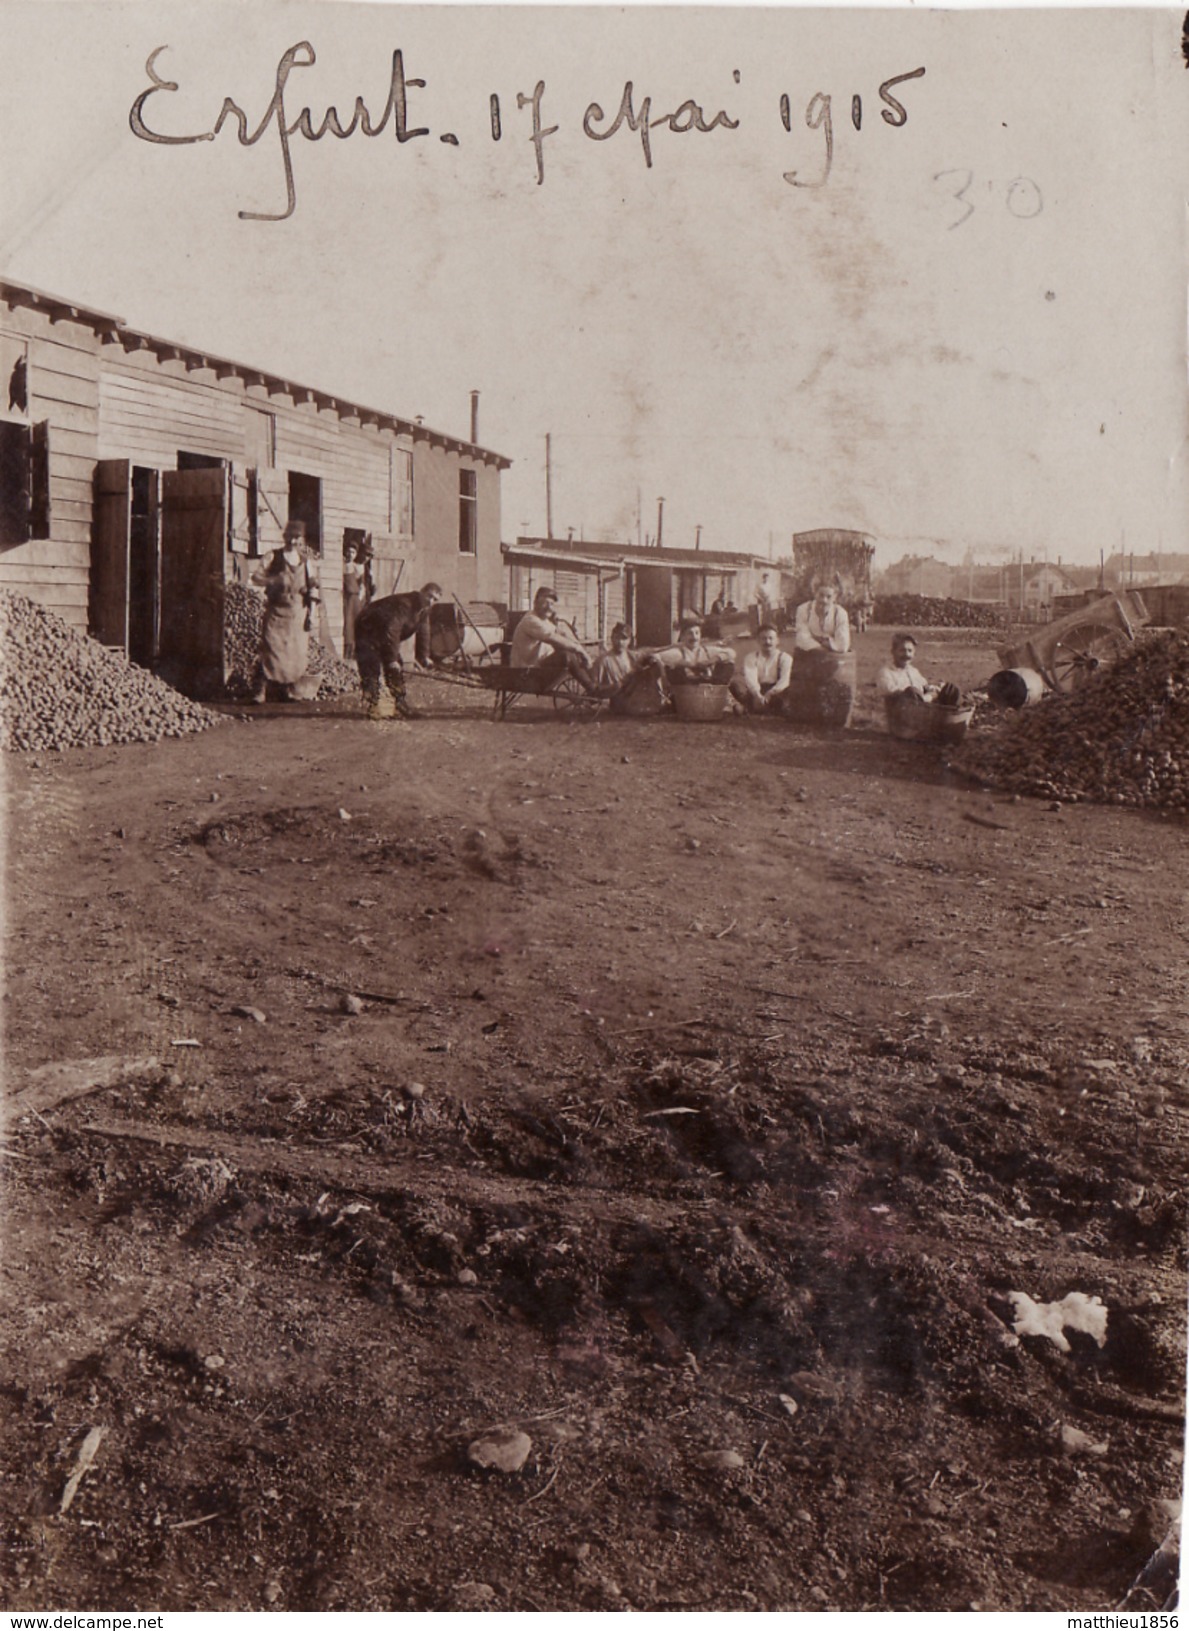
pixel 305 504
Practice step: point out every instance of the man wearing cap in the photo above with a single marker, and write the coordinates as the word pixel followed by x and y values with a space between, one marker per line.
pixel 540 641
pixel 615 666
pixel 380 630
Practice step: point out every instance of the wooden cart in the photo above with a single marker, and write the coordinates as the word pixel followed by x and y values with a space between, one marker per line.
pixel 1068 652
pixel 509 684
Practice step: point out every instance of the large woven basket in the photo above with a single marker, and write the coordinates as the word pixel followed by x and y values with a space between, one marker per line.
pixel 699 702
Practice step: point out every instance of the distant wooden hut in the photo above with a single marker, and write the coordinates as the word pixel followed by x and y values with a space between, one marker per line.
pixel 600 584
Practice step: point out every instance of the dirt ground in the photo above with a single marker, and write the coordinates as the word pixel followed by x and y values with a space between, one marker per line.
pixel 692 1098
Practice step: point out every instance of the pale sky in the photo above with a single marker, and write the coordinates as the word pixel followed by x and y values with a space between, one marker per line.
pixel 970 335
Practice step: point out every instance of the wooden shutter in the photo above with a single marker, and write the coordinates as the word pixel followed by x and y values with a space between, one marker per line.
pixel 15 471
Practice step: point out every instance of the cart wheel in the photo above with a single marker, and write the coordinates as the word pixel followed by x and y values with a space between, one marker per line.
pixel 1082 651
pixel 573 700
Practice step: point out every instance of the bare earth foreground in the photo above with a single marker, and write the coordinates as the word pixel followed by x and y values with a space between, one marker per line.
pixel 706 1093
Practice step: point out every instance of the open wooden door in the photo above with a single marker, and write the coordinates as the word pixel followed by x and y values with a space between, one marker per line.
pixel 111 552
pixel 194 538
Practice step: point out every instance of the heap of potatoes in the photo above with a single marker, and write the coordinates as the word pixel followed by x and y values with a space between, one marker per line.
pixel 242 612
pixel 1122 738
pixel 62 689
pixel 934 612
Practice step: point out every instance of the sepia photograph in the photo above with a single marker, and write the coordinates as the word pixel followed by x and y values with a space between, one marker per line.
pixel 594 752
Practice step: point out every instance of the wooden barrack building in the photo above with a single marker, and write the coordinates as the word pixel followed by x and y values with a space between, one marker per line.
pixel 138 475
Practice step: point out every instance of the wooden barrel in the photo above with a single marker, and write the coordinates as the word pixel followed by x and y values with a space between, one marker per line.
pixel 822 689
pixel 1015 687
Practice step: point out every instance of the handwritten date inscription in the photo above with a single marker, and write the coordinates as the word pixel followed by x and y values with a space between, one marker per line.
pixel 637 116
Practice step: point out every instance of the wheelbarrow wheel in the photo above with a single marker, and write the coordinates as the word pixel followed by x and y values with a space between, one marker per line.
pixel 573 701
pixel 1081 652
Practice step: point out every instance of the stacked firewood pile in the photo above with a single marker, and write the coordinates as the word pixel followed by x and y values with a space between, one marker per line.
pixel 242 612
pixel 1122 738
pixel 935 612
pixel 62 689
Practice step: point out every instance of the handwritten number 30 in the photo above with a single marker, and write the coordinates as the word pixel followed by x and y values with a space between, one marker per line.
pixel 1024 199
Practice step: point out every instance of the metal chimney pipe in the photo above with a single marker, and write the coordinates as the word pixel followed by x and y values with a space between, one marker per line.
pixel 474 416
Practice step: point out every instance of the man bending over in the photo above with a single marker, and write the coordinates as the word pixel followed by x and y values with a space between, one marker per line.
pixel 380 630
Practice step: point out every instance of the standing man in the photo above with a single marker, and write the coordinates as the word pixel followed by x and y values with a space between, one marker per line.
pixel 380 630
pixel 767 600
pixel 764 681
pixel 822 624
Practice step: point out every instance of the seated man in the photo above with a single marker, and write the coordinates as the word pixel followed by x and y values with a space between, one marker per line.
pixel 822 624
pixel 690 662
pixel 613 667
pixel 763 684
pixel 540 641
pixel 903 686
pixel 631 685
pixel 380 630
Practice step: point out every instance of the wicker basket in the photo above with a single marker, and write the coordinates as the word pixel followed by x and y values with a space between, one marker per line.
pixel 699 702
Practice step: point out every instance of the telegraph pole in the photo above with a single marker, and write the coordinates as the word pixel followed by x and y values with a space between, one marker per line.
pixel 548 487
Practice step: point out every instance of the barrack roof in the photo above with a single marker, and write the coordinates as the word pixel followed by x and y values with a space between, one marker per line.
pixel 115 330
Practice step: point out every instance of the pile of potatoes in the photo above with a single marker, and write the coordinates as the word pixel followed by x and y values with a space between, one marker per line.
pixel 1122 738
pixel 243 609
pixel 934 612
pixel 64 690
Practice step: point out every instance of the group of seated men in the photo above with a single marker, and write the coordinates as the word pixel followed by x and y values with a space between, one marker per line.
pixel 640 684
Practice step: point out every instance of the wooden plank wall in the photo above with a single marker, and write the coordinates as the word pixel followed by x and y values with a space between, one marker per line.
pixel 435 502
pixel 147 417
pixel 103 401
pixel 63 389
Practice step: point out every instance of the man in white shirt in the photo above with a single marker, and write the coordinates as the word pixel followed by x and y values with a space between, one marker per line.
pixel 764 681
pixel 903 686
pixel 900 674
pixel 822 624
pixel 767 598
pixel 540 641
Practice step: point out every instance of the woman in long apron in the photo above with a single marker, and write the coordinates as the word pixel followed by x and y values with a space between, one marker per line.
pixel 290 595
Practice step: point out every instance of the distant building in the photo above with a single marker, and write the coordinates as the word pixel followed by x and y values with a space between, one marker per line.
pixel 920 575
pixel 1039 585
pixel 1121 570
pixel 138 476
pixel 652 589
